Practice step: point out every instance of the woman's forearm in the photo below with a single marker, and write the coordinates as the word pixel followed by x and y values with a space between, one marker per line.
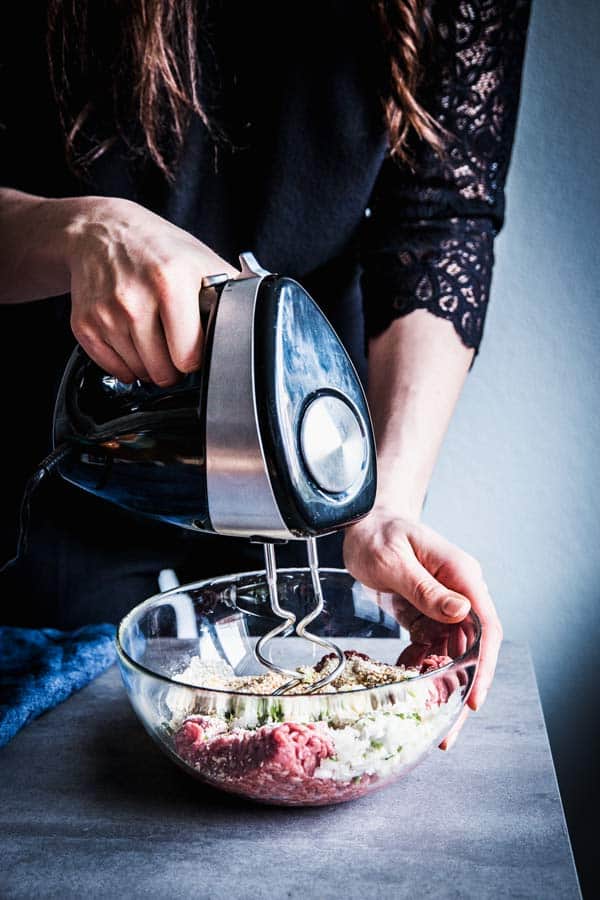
pixel 33 246
pixel 417 369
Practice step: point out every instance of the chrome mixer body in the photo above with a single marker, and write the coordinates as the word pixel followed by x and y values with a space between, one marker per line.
pixel 270 441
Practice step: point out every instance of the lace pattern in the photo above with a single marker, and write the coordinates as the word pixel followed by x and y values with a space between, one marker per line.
pixel 428 241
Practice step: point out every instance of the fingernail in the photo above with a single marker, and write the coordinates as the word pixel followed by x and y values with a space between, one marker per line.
pixel 477 700
pixel 451 740
pixel 455 606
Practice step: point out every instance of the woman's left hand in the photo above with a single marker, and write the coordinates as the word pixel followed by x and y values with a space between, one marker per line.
pixel 390 553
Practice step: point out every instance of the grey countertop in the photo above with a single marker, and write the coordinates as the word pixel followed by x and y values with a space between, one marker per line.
pixel 91 808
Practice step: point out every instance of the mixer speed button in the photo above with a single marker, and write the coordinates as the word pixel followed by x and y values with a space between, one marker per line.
pixel 333 443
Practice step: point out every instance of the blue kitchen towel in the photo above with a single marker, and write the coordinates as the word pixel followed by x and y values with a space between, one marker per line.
pixel 41 668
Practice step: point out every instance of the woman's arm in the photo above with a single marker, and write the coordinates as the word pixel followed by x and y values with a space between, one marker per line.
pixel 33 262
pixel 134 278
pixel 427 253
pixel 417 368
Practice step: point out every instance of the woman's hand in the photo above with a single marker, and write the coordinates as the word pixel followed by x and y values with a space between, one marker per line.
pixel 393 554
pixel 135 280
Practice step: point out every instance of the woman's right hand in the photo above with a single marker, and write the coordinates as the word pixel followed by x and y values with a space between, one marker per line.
pixel 135 280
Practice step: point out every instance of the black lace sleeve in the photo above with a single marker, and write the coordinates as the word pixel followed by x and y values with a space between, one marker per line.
pixel 428 241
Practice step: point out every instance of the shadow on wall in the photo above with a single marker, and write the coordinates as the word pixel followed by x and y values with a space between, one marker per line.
pixel 517 482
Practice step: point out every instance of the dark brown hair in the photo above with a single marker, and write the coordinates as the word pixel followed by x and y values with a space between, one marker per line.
pixel 150 67
pixel 405 29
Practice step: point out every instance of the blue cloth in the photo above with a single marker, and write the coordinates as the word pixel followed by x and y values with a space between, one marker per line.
pixel 41 668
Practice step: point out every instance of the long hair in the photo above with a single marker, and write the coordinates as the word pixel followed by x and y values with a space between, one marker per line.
pixel 152 75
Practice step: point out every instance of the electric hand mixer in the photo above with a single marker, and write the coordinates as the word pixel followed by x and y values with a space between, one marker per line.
pixel 270 441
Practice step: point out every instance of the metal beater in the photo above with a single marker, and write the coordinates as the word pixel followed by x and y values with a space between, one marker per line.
pixel 289 621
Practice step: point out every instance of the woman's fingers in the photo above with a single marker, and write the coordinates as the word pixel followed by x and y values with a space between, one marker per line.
pixel 412 580
pixel 467 577
pixel 180 317
pixel 133 331
pixel 104 356
pixel 462 573
pixel 123 345
pixel 491 640
pixel 150 343
pixel 450 738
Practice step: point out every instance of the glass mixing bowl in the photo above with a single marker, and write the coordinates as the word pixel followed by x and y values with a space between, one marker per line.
pixel 301 749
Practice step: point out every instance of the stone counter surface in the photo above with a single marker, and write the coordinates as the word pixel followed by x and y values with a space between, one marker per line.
pixel 90 808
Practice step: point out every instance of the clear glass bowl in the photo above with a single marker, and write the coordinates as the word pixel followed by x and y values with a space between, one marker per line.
pixel 301 749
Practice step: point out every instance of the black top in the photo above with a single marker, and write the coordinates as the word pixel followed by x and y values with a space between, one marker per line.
pixel 305 183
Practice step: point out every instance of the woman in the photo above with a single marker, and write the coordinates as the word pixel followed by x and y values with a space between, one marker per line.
pixel 361 148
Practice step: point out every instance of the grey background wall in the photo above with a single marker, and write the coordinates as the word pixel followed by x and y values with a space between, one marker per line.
pixel 518 482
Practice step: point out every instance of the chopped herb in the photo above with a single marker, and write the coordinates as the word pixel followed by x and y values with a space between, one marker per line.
pixel 277 713
pixel 356 779
pixel 262 715
pixel 376 745
pixel 334 758
pixel 399 748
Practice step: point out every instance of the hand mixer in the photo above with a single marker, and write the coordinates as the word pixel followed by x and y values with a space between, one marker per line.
pixel 270 441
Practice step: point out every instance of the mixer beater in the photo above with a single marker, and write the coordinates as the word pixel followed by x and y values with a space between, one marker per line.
pixel 289 625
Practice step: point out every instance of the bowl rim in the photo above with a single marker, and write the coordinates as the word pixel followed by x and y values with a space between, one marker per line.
pixel 471 655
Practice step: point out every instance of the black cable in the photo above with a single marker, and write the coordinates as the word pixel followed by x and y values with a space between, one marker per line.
pixel 45 468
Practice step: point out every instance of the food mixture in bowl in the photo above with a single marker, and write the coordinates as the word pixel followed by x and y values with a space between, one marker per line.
pixel 189 664
pixel 293 749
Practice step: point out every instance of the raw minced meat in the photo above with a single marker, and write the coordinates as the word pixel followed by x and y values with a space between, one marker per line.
pixel 287 751
pixel 271 763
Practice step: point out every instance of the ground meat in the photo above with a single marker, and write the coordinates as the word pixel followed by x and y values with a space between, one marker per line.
pixel 442 687
pixel 331 657
pixel 273 763
pixel 298 792
pixel 202 728
pixel 433 662
pixel 284 751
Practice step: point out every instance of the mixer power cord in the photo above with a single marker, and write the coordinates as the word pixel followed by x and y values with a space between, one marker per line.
pixel 46 466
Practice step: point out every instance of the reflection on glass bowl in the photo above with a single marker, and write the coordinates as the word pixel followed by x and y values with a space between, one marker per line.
pixel 301 749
